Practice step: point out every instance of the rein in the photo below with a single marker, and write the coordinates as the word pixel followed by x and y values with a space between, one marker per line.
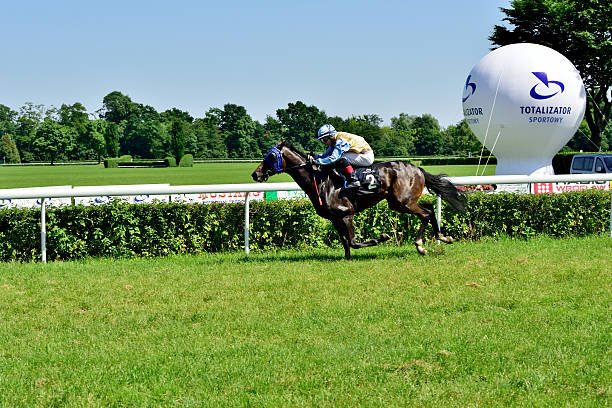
pixel 314 177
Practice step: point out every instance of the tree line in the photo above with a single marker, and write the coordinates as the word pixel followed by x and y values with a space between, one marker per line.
pixel 123 127
pixel 39 134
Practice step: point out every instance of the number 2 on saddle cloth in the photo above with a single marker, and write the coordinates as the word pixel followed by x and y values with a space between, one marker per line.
pixel 368 178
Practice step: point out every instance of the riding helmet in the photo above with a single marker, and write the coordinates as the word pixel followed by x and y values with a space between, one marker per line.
pixel 325 131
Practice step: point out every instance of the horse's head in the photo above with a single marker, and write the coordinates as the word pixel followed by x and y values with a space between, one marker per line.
pixel 280 158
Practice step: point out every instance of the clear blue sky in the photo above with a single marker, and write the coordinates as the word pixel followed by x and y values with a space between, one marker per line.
pixel 346 57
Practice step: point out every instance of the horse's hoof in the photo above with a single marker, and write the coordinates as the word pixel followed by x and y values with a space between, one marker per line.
pixel 421 250
pixel 448 239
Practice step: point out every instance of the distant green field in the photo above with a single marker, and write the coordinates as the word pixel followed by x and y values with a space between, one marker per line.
pixel 200 173
pixel 488 324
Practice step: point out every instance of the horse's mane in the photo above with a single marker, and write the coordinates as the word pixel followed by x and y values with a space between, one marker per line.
pixel 293 149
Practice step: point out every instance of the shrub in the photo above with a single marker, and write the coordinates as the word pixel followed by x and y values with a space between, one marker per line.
pixel 186 161
pixel 143 163
pixel 113 162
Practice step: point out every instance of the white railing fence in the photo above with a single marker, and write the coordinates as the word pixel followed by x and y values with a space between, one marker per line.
pixel 43 193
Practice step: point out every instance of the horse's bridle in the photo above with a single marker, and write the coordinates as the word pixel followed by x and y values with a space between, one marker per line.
pixel 274 160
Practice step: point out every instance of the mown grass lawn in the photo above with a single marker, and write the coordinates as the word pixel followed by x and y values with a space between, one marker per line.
pixel 200 173
pixel 493 323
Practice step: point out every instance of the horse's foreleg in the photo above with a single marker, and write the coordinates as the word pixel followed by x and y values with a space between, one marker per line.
pixel 346 230
pixel 346 236
pixel 348 221
pixel 370 242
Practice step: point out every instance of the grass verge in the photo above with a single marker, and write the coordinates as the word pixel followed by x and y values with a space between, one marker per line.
pixel 520 323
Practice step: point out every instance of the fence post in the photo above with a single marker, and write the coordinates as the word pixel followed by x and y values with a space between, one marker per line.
pixel 439 214
pixel 246 222
pixel 43 230
pixel 610 214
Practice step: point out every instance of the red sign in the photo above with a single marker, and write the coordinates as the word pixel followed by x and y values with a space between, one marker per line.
pixel 550 188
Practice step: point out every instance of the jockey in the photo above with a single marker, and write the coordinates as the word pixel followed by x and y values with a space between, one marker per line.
pixel 343 151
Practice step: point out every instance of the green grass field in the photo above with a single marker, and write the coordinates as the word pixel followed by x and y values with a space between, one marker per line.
pixel 201 173
pixel 493 323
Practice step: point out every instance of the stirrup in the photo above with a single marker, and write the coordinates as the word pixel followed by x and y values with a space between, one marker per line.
pixel 351 185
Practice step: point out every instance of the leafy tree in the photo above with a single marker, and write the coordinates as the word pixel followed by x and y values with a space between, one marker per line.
pixel 8 149
pixel 238 130
pixel 182 121
pixel 398 141
pixel 299 125
pixel 578 29
pixel 177 138
pixel 262 139
pixel 460 140
pixel 29 119
pixel 366 126
pixel 427 135
pixel 394 143
pixel 209 140
pixel 273 129
pixel 144 135
pixel 53 141
pixel 91 143
pixel 175 113
pixel 117 107
pixel 111 139
pixel 8 119
pixel 403 121
pixel 74 116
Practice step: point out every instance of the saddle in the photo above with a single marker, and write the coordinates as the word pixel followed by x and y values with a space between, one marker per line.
pixel 368 178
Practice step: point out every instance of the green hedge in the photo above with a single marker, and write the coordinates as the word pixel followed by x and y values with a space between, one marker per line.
pixel 448 161
pixel 443 161
pixel 113 162
pixel 186 161
pixel 123 230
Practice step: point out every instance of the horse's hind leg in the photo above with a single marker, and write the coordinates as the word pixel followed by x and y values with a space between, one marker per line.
pixel 418 242
pixel 434 224
pixel 412 206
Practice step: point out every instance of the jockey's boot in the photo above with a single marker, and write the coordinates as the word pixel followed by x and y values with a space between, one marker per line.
pixel 351 182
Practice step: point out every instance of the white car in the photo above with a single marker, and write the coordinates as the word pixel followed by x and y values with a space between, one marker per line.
pixel 591 163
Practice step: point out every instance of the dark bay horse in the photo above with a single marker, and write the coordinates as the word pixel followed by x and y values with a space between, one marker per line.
pixel 400 183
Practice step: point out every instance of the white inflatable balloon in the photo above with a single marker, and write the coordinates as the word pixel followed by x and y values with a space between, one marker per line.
pixel 524 102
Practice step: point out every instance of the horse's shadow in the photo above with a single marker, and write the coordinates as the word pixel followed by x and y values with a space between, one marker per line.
pixel 399 252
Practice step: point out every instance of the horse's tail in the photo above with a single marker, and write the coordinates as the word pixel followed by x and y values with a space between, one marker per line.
pixel 442 186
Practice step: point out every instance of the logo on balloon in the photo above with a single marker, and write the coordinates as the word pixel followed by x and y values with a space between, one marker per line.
pixel 471 86
pixel 543 77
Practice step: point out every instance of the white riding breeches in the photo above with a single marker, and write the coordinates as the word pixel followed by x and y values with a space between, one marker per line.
pixel 360 159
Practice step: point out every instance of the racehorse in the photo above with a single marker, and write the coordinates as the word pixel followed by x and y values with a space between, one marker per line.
pixel 400 183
